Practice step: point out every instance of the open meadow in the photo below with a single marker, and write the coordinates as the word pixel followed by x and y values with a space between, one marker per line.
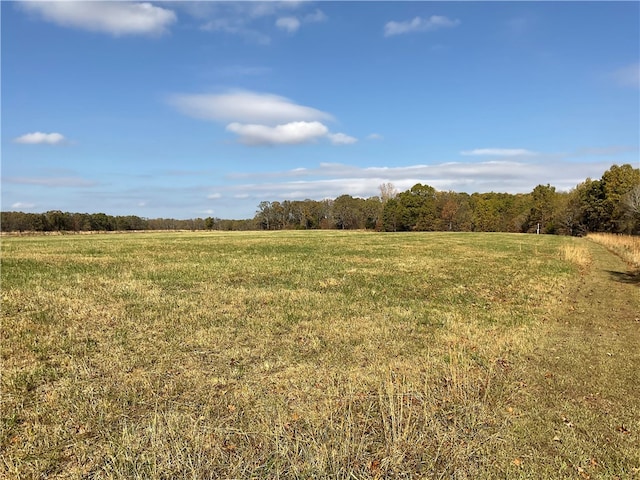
pixel 318 354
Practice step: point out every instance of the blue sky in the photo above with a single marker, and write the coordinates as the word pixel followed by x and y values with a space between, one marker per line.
pixel 191 109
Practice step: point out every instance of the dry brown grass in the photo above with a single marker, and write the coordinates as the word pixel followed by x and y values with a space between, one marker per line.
pixel 626 247
pixel 577 253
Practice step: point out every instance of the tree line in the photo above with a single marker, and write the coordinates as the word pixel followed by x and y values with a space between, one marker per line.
pixel 57 221
pixel 609 204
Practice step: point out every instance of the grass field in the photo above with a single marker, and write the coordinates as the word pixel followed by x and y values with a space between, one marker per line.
pixel 318 355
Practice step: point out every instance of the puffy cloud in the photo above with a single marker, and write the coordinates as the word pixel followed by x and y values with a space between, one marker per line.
pixel 419 24
pixel 341 139
pixel 246 107
pixel 261 119
pixel 292 24
pixel 39 138
pixel 289 24
pixel 499 152
pixel 23 205
pixel 115 18
pixel 288 134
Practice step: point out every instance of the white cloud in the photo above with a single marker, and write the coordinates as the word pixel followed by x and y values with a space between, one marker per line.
pixel 246 107
pixel 292 24
pixel 242 18
pixel 419 24
pixel 375 136
pixel 214 196
pixel 261 119
pixel 341 139
pixel 628 76
pixel 40 138
pixel 499 152
pixel 289 24
pixel 23 205
pixel 115 18
pixel 287 134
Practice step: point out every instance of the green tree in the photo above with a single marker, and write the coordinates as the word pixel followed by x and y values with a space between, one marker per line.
pixel 617 182
pixel 544 210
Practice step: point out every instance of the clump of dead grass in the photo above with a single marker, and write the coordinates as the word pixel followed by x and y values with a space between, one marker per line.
pixel 578 254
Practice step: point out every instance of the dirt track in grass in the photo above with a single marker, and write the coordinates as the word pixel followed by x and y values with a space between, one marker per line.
pixel 581 415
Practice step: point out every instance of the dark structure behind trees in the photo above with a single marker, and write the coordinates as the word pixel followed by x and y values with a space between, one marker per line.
pixel 610 204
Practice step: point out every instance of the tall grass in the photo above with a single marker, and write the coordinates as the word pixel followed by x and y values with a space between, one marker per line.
pixel 626 247
pixel 577 253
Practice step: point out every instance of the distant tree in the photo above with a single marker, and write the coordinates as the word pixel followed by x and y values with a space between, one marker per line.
pixel 372 213
pixel 387 192
pixel 631 203
pixel 392 215
pixel 487 215
pixel 617 182
pixel 347 212
pixel 278 215
pixel 544 209
pixel 264 215
pixel 448 206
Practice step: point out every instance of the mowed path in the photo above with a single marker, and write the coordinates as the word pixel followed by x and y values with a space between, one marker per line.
pixel 581 413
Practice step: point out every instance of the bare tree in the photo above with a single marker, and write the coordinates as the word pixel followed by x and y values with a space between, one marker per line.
pixel 387 191
pixel 631 201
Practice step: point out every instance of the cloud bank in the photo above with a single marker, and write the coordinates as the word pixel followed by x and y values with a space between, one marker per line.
pixel 330 180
